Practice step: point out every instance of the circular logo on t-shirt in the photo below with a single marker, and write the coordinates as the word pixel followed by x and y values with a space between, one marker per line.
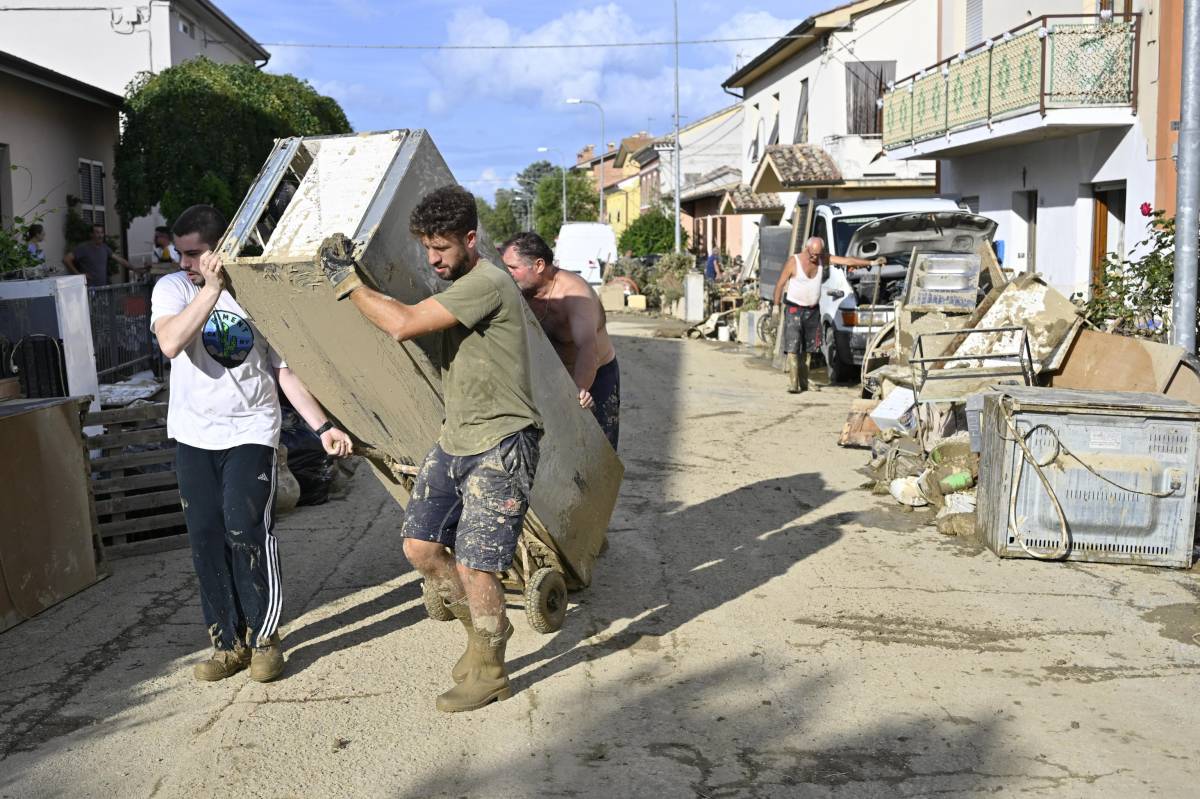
pixel 228 338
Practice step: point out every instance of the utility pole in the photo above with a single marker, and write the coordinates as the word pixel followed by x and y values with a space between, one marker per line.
pixel 678 154
pixel 1187 190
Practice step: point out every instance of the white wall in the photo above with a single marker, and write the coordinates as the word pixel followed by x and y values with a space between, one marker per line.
pixel 1061 171
pixel 705 147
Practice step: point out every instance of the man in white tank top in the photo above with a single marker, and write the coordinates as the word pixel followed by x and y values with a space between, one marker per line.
pixel 802 277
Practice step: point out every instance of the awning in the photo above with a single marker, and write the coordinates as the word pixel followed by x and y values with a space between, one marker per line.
pixel 790 167
pixel 742 200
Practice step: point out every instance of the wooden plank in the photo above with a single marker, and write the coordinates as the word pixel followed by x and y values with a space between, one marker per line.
pixel 130 482
pixel 149 546
pixel 1118 363
pixel 860 429
pixel 131 459
pixel 123 504
pixel 160 522
pixel 133 413
pixel 124 438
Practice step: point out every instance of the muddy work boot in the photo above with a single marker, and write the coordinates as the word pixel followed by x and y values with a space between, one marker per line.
pixel 793 370
pixel 486 679
pixel 802 371
pixel 463 613
pixel 266 662
pixel 223 663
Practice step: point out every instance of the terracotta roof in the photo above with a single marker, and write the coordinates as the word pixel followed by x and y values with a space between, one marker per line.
pixel 742 200
pixel 799 165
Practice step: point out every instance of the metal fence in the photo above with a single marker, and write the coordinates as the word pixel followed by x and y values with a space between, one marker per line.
pixel 121 330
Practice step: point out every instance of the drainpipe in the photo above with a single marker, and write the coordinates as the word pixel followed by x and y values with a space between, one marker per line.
pixel 1187 191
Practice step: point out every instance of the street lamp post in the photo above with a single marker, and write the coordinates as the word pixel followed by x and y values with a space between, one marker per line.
pixel 678 160
pixel 563 168
pixel 603 145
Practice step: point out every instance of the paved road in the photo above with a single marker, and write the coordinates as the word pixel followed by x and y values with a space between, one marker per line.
pixel 760 627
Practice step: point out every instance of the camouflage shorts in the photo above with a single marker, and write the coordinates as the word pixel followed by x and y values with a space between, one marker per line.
pixel 475 504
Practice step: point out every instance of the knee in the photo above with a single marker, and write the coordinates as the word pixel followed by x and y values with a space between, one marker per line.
pixel 423 555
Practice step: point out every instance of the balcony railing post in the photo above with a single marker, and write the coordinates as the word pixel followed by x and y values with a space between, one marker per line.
pixel 991 51
pixel 1042 77
pixel 1133 87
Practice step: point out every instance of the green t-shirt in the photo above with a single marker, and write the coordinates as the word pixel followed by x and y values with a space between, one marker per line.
pixel 487 383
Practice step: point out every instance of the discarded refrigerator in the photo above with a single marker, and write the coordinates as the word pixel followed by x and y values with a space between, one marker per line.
pixel 388 395
pixel 1094 476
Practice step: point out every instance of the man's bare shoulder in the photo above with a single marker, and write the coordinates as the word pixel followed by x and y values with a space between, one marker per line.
pixel 573 285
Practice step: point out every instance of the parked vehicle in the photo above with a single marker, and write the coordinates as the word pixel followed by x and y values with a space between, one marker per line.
pixel 851 309
pixel 584 248
pixel 871 293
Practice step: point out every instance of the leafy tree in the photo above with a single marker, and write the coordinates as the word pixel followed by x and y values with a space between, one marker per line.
pixel 498 221
pixel 200 131
pixel 582 202
pixel 529 177
pixel 652 232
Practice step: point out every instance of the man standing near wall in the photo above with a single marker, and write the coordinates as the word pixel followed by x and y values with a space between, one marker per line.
pixel 224 413
pixel 802 277
pixel 472 491
pixel 573 318
pixel 91 259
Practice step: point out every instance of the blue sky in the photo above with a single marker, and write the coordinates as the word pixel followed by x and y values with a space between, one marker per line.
pixel 488 111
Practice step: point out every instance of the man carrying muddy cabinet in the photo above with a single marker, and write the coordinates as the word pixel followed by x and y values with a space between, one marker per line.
pixel 224 415
pixel 472 491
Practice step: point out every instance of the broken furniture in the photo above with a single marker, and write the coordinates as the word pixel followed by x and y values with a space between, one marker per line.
pixel 49 548
pixel 1097 476
pixel 1122 363
pixel 388 395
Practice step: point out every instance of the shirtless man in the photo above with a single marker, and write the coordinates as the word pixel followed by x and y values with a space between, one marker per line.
pixel 801 307
pixel 573 318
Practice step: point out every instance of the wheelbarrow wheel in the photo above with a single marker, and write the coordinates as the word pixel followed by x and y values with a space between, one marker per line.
pixel 546 600
pixel 435 606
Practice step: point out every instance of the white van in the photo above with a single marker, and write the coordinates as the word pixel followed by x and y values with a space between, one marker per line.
pixel 584 248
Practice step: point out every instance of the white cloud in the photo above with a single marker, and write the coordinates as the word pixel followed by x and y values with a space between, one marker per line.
pixel 750 25
pixel 288 60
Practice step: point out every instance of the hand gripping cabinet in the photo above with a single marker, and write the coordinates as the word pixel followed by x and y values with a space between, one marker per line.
pixel 388 395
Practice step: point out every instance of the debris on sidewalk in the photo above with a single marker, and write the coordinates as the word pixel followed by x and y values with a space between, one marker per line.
pixel 860 428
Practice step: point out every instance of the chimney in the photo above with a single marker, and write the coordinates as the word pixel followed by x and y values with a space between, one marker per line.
pixel 586 154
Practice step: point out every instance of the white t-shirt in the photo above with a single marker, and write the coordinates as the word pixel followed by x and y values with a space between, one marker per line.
pixel 223 391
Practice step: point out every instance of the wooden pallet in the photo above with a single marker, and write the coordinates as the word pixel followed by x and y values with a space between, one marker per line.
pixel 138 512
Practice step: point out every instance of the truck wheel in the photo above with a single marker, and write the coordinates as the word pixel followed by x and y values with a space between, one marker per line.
pixel 838 371
pixel 546 600
pixel 435 606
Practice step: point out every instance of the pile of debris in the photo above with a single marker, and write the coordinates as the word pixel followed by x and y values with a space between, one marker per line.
pixel 964 332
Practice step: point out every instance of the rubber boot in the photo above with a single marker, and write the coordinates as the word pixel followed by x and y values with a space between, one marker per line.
pixel 802 371
pixel 462 612
pixel 793 370
pixel 486 681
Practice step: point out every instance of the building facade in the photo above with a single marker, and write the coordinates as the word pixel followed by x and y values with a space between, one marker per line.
pixel 1056 125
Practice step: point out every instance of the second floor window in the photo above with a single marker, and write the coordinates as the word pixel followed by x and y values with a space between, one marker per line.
pixel 866 82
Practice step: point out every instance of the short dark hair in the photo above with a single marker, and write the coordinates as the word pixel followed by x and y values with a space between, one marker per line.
pixel 202 219
pixel 162 229
pixel 98 225
pixel 448 210
pixel 530 246
pixel 32 231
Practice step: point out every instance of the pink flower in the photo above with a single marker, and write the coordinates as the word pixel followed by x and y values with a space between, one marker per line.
pixel 1146 209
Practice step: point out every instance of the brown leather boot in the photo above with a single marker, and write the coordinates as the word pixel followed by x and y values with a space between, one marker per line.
pixel 486 680
pixel 462 612
pixel 223 663
pixel 793 370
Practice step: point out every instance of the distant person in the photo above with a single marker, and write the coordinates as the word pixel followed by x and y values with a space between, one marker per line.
pixel 573 318
pixel 468 503
pixel 34 236
pixel 224 414
pixel 90 259
pixel 802 276
pixel 164 250
pixel 712 266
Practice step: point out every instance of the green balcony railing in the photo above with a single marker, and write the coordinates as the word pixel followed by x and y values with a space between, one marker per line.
pixel 1050 62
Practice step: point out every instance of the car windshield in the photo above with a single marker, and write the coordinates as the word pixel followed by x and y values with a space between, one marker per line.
pixel 844 228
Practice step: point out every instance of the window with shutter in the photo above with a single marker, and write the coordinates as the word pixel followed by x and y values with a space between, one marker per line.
pixel 801 136
pixel 866 82
pixel 974 21
pixel 91 191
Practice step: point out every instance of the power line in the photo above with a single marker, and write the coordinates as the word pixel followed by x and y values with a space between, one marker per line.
pixel 561 46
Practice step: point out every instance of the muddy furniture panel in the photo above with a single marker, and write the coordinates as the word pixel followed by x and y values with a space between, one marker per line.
pixel 388 395
pixel 46 542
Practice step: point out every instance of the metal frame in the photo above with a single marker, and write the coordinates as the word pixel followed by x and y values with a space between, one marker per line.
pixel 921 363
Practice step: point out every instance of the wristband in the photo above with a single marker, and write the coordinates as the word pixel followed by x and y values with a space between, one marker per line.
pixel 323 429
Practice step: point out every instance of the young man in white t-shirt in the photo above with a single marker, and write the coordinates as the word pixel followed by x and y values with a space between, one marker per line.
pixel 224 415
